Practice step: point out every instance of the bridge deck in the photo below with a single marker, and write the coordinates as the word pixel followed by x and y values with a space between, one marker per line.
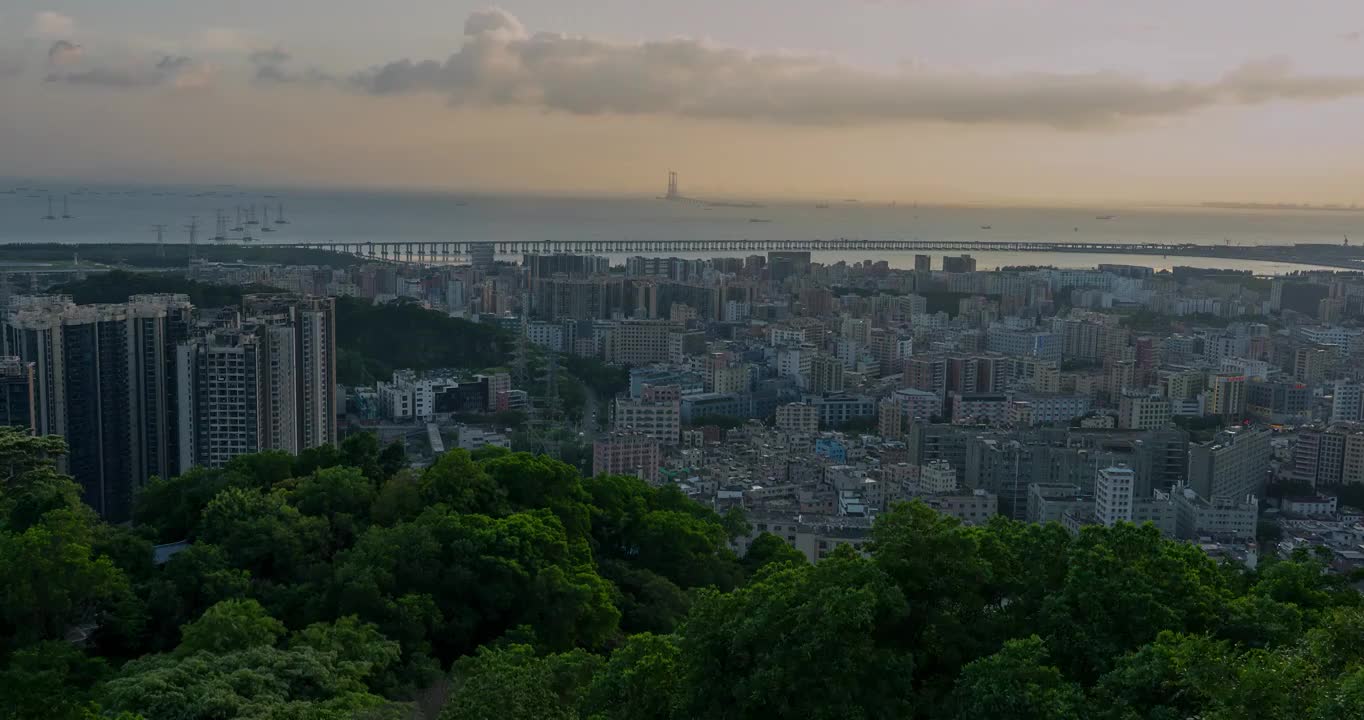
pixel 443 251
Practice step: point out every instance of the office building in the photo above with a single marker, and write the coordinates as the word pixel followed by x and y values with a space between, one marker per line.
pixel 80 356
pixel 627 453
pixel 973 508
pixel 958 264
pixel 1231 519
pixel 904 406
pixel 657 413
pixel 799 418
pixel 980 409
pixel 1049 502
pixel 796 362
pixel 224 400
pixel 1035 343
pixel 937 477
pixel 1310 364
pixel 1226 395
pixel 638 342
pixel 1113 495
pixel 16 393
pixel 1138 410
pixel 1275 400
pixel 300 359
pixel 1233 465
pixel 1026 410
pixel 826 374
pixel 1346 402
pixel 157 324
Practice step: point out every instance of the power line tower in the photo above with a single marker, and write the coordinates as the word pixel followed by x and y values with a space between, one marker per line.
pixel 160 240
pixel 521 362
pixel 193 228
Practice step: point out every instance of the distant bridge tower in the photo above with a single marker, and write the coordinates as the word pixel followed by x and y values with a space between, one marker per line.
pixel 673 194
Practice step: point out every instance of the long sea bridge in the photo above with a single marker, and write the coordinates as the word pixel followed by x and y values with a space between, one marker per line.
pixel 434 251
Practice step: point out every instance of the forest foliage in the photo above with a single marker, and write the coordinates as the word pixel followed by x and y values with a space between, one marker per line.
pixel 344 583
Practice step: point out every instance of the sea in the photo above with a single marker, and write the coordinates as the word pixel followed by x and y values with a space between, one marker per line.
pixel 127 214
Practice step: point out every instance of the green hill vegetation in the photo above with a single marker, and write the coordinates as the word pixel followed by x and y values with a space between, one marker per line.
pixel 374 340
pixel 345 584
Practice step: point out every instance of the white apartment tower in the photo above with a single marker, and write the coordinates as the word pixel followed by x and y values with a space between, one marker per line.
pixel 1113 494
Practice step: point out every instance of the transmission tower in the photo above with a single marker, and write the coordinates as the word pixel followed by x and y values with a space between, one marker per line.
pixel 521 363
pixel 160 240
pixel 193 228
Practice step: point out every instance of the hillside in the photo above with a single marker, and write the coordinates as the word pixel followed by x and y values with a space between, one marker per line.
pixel 342 584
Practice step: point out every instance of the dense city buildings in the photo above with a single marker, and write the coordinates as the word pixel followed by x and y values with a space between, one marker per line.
pixel 16 393
pixel 138 390
pixel 820 394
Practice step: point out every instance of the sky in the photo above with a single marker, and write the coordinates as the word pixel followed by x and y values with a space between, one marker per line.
pixel 990 101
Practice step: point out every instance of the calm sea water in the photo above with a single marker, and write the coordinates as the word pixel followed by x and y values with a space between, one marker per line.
pixel 103 213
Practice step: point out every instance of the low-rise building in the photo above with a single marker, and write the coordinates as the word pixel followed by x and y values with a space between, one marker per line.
pixel 627 453
pixel 974 508
pixel 800 418
pixel 1218 518
pixel 1048 502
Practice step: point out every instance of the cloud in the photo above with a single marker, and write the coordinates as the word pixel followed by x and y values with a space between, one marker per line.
pixel 50 24
pixel 175 71
pixel 11 63
pixel 270 56
pixel 1352 36
pixel 500 63
pixel 273 66
pixel 64 52
pixel 222 39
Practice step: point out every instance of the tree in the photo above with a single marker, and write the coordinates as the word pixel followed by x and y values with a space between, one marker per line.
pixel 229 626
pixel 748 653
pixel 30 486
pixel 641 681
pixel 768 549
pixel 399 498
pixel 342 496
pixel 361 651
pixel 1016 683
pixel 192 581
pixel 473 578
pixel 537 481
pixel 262 533
pixel 172 506
pixel 1123 586
pixel 937 565
pixel 456 481
pixel 648 602
pixel 50 679
pixel 1168 679
pixel 513 682
pixel 52 582
pixel 735 523
pixel 258 682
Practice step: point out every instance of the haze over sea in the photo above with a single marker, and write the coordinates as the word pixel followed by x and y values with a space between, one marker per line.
pixel 125 214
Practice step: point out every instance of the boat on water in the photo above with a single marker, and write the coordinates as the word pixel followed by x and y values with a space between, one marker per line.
pixel 66 211
pixel 265 226
pixel 758 220
pixel 986 227
pixel 279 216
pixel 1104 217
pixel 49 215
pixel 822 206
